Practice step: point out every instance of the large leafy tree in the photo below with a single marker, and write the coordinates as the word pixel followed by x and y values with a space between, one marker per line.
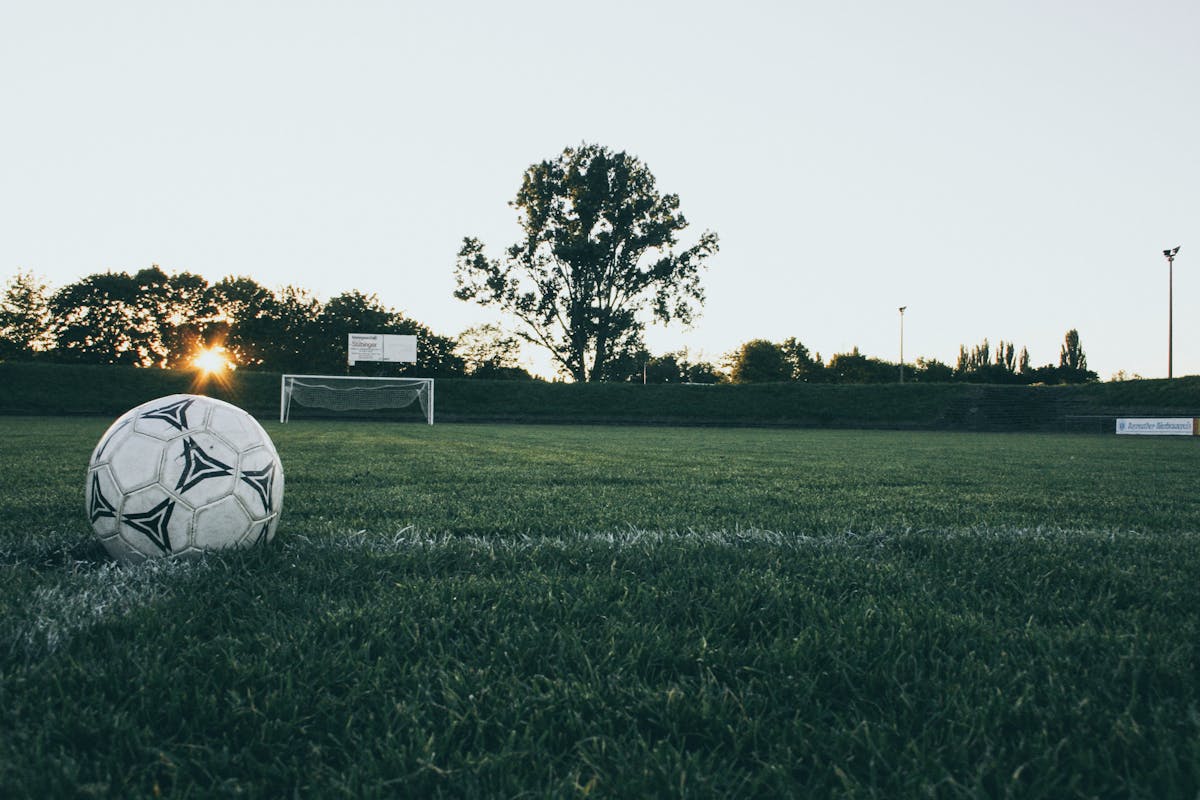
pixel 356 312
pixel 97 320
pixel 806 366
pixel 436 356
pixel 244 321
pixel 760 361
pixel 349 312
pixel 854 367
pixel 287 330
pixel 276 330
pixel 180 308
pixel 147 318
pixel 600 254
pixel 24 317
pixel 489 352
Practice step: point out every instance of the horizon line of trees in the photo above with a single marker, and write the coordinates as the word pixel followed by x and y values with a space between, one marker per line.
pixel 761 360
pixel 154 319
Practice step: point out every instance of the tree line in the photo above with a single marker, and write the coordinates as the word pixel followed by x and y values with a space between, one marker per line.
pixel 151 318
pixel 601 256
pixel 760 360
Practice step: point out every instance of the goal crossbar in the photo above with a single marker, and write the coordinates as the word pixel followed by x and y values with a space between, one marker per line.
pixel 352 393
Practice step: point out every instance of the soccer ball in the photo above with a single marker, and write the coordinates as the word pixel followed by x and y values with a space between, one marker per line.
pixel 180 475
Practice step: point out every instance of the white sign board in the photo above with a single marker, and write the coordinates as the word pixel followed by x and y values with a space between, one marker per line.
pixel 1157 426
pixel 381 347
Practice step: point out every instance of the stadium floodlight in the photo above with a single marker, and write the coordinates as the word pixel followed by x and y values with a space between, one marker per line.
pixel 902 343
pixel 1170 254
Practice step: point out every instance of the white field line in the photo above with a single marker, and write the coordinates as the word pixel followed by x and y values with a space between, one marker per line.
pixel 411 538
pixel 88 597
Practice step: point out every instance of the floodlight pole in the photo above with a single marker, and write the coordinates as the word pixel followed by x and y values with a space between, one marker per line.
pixel 902 343
pixel 1170 254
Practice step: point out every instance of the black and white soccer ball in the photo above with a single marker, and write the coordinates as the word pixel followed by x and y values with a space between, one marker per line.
pixel 180 475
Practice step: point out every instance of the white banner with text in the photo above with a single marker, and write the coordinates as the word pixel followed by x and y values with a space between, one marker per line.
pixel 381 347
pixel 1158 426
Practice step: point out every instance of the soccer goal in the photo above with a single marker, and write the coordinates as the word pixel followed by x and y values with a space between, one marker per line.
pixel 349 394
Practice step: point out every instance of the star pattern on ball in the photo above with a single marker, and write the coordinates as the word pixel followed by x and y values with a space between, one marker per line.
pixel 198 466
pixel 174 414
pixel 99 506
pixel 261 481
pixel 154 524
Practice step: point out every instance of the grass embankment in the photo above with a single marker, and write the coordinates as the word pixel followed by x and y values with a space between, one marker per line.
pixel 109 391
pixel 468 610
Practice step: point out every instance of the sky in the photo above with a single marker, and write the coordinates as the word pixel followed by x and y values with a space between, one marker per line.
pixel 1006 170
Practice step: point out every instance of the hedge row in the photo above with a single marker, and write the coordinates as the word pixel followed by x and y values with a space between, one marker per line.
pixel 32 388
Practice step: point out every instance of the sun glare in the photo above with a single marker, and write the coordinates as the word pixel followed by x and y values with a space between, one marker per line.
pixel 211 360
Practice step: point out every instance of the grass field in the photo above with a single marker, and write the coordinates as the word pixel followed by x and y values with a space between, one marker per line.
pixel 614 612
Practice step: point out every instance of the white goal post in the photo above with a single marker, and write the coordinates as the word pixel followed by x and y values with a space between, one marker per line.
pixel 349 393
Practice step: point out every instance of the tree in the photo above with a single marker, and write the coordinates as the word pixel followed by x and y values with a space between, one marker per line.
pixel 805 366
pixel 667 368
pixel 854 367
pixel 487 352
pixel 179 309
pixel 1071 355
pixel 347 313
pixel 680 368
pixel 703 372
pixel 24 317
pixel 1006 357
pixel 435 354
pixel 97 320
pixel 930 370
pixel 243 309
pixel 626 361
pixel 148 319
pixel 1072 362
pixel 980 365
pixel 285 331
pixel 295 332
pixel 598 256
pixel 974 362
pixel 760 361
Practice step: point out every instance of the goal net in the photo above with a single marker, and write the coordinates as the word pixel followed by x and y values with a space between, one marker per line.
pixel 344 394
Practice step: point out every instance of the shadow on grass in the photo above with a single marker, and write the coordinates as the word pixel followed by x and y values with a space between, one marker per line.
pixel 56 555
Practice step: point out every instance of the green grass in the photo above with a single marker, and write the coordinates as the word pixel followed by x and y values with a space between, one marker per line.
pixel 617 612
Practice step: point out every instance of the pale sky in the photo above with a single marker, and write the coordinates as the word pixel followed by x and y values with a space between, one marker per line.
pixel 1006 170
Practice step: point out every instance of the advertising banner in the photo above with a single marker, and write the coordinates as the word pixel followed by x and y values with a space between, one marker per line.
pixel 381 347
pixel 1158 426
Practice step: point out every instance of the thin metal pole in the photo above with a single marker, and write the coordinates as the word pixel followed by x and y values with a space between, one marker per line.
pixel 1170 316
pixel 902 343
pixel 1170 254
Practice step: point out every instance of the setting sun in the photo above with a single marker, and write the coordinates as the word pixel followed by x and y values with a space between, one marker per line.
pixel 211 360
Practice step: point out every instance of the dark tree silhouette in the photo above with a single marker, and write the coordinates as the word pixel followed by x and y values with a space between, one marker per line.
pixel 760 361
pixel 24 317
pixel 598 256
